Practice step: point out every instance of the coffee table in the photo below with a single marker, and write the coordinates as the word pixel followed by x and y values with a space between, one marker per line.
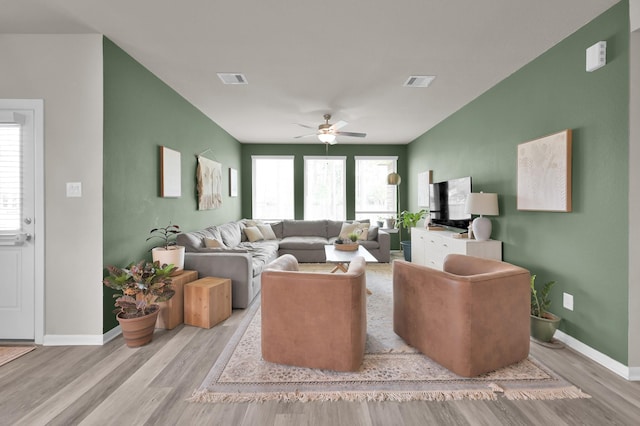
pixel 342 258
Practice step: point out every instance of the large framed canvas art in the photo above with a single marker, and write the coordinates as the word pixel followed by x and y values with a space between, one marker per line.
pixel 544 173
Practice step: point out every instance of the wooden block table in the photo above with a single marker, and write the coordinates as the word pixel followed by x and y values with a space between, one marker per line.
pixel 207 301
pixel 172 311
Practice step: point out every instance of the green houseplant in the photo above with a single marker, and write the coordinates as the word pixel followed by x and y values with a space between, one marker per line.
pixel 166 252
pixel 139 287
pixel 543 323
pixel 408 220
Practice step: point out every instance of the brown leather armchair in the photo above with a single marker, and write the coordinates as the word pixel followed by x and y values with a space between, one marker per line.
pixel 315 320
pixel 471 318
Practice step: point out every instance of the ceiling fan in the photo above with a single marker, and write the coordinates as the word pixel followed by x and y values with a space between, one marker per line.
pixel 327 132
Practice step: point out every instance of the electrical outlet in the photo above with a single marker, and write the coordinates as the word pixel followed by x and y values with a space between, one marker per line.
pixel 74 189
pixel 567 301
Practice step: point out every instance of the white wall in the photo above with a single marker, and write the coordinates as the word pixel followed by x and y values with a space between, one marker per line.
pixel 66 71
pixel 634 14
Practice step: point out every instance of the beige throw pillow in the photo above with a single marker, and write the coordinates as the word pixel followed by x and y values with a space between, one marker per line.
pixel 213 243
pixel 253 234
pixel 267 232
pixel 362 229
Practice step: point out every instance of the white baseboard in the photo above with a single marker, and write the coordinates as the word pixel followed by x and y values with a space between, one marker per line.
pixel 629 373
pixel 81 339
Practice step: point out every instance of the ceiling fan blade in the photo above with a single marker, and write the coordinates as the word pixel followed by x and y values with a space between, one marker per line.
pixel 340 124
pixel 354 134
pixel 304 125
pixel 305 136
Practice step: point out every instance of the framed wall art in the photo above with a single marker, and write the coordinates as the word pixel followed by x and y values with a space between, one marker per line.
pixel 424 179
pixel 544 173
pixel 170 173
pixel 233 182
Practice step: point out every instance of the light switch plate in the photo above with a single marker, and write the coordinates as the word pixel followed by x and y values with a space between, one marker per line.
pixel 567 301
pixel 74 189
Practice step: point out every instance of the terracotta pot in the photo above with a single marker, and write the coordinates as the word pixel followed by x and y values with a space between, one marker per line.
pixel 139 331
pixel 173 256
pixel 543 329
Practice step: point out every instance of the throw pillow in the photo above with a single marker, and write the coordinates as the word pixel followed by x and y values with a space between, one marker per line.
pixel 253 234
pixel 267 232
pixel 213 243
pixel 361 229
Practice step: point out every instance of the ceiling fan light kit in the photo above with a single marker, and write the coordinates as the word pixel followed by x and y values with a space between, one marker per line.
pixel 327 132
pixel 327 138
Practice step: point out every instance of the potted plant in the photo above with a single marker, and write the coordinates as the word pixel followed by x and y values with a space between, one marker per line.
pixel 140 286
pixel 166 252
pixel 408 220
pixel 543 323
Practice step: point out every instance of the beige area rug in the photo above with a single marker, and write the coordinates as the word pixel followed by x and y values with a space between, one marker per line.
pixel 9 353
pixel 391 371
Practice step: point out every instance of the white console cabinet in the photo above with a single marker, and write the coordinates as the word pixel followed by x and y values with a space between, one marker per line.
pixel 429 248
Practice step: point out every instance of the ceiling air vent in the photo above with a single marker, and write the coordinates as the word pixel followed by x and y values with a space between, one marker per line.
pixel 232 78
pixel 419 81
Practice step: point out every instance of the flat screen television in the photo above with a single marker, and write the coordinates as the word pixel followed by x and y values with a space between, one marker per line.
pixel 446 202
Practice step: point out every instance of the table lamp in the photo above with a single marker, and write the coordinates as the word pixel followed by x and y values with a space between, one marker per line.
pixel 482 204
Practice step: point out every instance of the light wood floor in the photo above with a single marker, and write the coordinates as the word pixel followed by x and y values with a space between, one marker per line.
pixel 113 384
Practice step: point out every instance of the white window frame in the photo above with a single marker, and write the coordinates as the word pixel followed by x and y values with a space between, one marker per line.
pixel 254 158
pixel 343 190
pixel 395 188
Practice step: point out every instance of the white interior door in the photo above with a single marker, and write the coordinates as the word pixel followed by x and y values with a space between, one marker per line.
pixel 17 221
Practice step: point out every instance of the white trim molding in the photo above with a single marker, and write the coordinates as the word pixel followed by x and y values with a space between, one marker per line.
pixel 81 340
pixel 602 359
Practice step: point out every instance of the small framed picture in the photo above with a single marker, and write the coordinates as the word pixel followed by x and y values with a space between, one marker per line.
pixel 233 182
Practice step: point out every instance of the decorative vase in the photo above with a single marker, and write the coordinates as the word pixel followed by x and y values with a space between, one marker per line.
pixel 174 255
pixel 543 329
pixel 389 223
pixel 139 331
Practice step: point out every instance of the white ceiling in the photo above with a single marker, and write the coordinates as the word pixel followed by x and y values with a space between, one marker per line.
pixel 303 59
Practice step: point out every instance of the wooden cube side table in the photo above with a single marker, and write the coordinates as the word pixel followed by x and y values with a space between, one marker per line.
pixel 207 301
pixel 172 311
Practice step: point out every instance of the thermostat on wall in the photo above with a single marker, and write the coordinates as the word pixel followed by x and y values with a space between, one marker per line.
pixel 597 56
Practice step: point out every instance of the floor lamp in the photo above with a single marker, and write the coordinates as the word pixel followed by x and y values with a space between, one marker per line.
pixel 395 179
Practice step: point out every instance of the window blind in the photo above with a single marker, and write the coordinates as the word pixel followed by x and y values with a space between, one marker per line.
pixel 10 177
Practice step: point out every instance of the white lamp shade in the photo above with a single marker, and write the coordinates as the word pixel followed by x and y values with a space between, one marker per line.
pixel 327 137
pixel 482 204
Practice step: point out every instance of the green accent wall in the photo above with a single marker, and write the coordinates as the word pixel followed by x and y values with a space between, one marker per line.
pixel 316 148
pixel 586 250
pixel 141 113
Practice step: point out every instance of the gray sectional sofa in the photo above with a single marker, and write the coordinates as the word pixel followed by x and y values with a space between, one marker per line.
pixel 231 250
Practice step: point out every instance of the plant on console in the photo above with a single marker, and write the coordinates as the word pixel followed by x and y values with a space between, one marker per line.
pixel 167 235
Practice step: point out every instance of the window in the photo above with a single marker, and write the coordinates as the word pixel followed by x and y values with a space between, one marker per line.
pixel 272 194
pixel 374 197
pixel 10 177
pixel 325 188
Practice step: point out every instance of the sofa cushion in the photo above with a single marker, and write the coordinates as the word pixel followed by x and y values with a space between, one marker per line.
pixel 334 227
pixel 304 228
pixel 231 234
pixel 253 234
pixel 303 243
pixel 267 232
pixel 194 240
pixel 373 233
pixel 277 229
